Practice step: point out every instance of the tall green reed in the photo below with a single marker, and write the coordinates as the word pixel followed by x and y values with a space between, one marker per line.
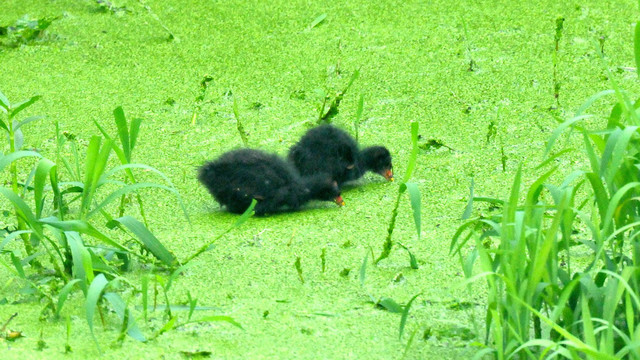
pixel 541 301
pixel 414 197
pixel 74 230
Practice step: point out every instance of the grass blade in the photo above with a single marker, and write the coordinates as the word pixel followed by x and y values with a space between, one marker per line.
pixel 24 211
pixel 81 227
pixel 8 159
pixel 593 99
pixel 390 305
pixel 244 217
pixel 82 264
pixel 12 236
pixel 560 129
pixel 64 293
pixel 241 131
pixel 469 208
pixel 125 190
pixel 4 102
pixel 618 155
pixel 133 132
pixel 18 265
pixel 91 303
pixel 413 262
pixel 44 168
pixel 414 196
pixel 123 132
pixel 90 163
pixel 144 289
pixel 405 314
pixel 414 151
pixel 120 308
pixel 214 318
pixel 150 242
pixel 298 266
pixel 317 21
pixel 16 108
pixel 18 125
pixel 363 269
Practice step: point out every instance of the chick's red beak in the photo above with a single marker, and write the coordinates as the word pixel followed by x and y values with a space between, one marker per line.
pixel 339 200
pixel 388 174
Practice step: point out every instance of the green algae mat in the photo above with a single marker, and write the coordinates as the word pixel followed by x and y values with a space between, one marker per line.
pixel 485 83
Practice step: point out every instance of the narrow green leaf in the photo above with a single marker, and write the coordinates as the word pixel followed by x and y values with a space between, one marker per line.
pixel 512 205
pixel 18 139
pixel 64 294
pixel 91 303
pixel 587 324
pixel 560 129
pixel 24 210
pixel 144 288
pixel 246 215
pixel 469 208
pixel 192 305
pixel 67 346
pixel 169 325
pixel 89 173
pixel 82 264
pixel 215 318
pixel 413 262
pixel 137 166
pixel 593 99
pixel 405 314
pixel 16 108
pixel 81 227
pixel 120 308
pixel 609 218
pixel 298 267
pixel 150 242
pixel 4 102
pixel 12 236
pixel 175 274
pixel 354 77
pixel 241 131
pixel 539 269
pixel 536 188
pixel 363 269
pixel 409 343
pixel 414 196
pixel 125 190
pixel 593 158
pixel 390 305
pixel 18 125
pixel 123 131
pixel 8 159
pixel 18 265
pixel 43 170
pixel 133 133
pixel 554 157
pixel 317 21
pixel 618 154
pixel 414 151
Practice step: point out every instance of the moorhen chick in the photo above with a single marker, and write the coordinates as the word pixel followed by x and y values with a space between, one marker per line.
pixel 239 176
pixel 328 149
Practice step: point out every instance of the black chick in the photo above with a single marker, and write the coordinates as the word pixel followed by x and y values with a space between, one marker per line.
pixel 239 176
pixel 327 149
